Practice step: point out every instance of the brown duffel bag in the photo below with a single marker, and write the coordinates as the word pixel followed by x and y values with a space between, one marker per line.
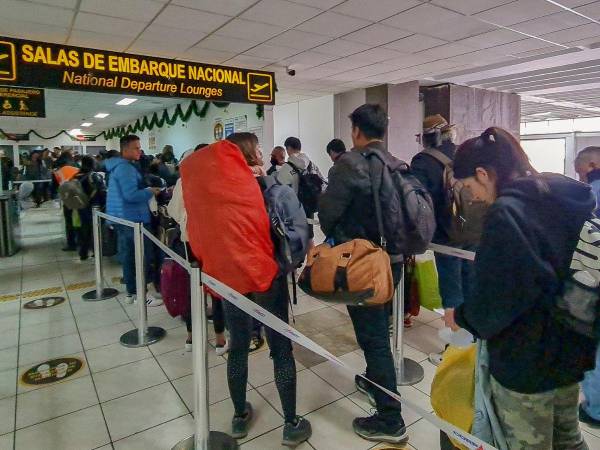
pixel 356 273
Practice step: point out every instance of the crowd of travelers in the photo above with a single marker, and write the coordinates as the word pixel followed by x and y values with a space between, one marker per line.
pixel 252 228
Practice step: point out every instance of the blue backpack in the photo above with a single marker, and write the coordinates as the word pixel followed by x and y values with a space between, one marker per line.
pixel 289 227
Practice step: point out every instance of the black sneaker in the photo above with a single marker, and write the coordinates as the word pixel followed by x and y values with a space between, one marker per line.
pixel 241 424
pixel 296 433
pixel 376 429
pixel 366 388
pixel 587 419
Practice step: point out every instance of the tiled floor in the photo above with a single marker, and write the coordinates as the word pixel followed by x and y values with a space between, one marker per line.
pixel 127 399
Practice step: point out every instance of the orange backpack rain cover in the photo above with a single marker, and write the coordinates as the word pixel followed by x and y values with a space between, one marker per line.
pixel 228 226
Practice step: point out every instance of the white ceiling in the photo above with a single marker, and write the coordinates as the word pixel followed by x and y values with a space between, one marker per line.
pixel 534 47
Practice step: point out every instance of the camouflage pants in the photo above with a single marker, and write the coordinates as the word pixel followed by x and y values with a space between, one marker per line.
pixel 546 421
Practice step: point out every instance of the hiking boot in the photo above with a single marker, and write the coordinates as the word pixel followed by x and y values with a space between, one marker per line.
pixel 241 424
pixel 366 388
pixel 295 433
pixel 256 343
pixel 375 428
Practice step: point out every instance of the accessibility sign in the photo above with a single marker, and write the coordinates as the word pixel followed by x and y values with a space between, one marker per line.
pixel 22 102
pixel 43 64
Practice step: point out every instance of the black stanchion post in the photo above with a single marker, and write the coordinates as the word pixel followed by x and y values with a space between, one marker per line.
pixel 100 293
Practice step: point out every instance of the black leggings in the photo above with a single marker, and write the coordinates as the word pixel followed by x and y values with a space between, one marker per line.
pixel 218 317
pixel 275 300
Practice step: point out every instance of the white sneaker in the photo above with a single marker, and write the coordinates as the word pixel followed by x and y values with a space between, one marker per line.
pixel 220 351
pixel 188 346
pixel 130 299
pixel 151 301
pixel 435 359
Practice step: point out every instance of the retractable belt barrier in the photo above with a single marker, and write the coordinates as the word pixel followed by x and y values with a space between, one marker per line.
pixel 273 322
pixel 205 439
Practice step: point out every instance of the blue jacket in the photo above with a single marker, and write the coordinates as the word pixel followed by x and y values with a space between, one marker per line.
pixel 127 194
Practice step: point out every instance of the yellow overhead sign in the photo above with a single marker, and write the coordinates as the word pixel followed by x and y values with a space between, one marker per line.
pixel 41 64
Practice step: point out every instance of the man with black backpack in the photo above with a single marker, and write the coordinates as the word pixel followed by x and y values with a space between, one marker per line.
pixel 458 219
pixel 300 173
pixel 349 210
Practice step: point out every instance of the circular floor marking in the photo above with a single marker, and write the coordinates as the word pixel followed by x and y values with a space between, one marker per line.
pixel 52 371
pixel 45 302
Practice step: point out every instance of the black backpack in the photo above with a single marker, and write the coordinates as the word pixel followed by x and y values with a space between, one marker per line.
pixel 310 187
pixel 403 207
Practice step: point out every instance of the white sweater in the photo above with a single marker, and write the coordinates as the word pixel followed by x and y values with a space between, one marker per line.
pixel 176 209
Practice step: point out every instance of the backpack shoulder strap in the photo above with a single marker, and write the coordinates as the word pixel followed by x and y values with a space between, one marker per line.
pixel 376 168
pixel 438 156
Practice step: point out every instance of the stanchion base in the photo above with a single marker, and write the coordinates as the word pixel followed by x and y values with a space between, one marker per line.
pixel 105 295
pixel 412 373
pixel 154 334
pixel 216 441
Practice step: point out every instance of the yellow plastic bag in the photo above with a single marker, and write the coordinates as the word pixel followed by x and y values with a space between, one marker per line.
pixel 427 281
pixel 453 388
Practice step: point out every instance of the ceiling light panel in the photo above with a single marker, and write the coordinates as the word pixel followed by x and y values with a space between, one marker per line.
pixel 126 101
pixel 102 115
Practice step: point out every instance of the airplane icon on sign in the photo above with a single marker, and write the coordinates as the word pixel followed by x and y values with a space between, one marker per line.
pixel 259 87
pixel 8 67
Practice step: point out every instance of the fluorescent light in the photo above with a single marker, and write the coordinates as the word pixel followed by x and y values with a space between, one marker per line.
pixel 87 124
pixel 75 132
pixel 102 115
pixel 126 101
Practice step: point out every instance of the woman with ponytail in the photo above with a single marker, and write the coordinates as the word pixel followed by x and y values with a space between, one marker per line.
pixel 530 233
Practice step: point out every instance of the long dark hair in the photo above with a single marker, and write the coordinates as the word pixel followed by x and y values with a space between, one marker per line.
pixel 247 143
pixel 495 150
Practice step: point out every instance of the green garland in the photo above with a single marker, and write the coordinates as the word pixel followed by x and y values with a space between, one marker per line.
pixel 155 121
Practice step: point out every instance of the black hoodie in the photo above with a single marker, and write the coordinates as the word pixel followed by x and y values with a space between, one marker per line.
pixel 528 240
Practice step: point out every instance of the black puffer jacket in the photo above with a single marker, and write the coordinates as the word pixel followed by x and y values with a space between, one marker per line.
pixel 528 240
pixel 346 208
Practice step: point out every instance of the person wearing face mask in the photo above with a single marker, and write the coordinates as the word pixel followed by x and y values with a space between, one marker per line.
pixel 529 236
pixel 277 159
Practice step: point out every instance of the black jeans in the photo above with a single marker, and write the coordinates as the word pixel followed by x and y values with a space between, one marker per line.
pixel 86 232
pixel 69 229
pixel 371 325
pixel 218 316
pixel 275 300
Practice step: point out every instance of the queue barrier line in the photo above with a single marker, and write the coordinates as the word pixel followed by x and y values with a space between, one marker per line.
pixel 273 322
pixel 451 251
pixel 181 261
pixel 203 437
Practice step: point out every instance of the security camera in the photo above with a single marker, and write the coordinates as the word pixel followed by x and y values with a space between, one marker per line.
pixel 291 72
